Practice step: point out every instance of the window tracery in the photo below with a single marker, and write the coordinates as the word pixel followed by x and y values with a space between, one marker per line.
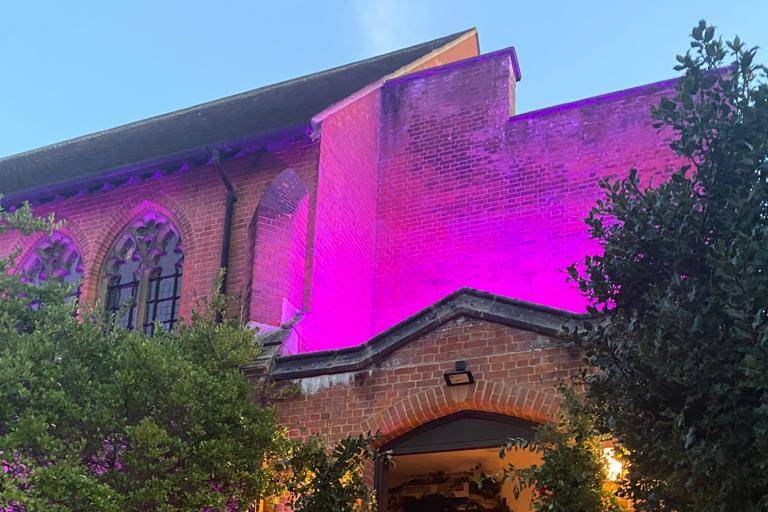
pixel 55 258
pixel 143 275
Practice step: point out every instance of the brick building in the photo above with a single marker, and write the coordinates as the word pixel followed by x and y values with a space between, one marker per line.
pixel 388 225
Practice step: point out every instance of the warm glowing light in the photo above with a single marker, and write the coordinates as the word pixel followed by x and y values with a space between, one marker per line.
pixel 613 466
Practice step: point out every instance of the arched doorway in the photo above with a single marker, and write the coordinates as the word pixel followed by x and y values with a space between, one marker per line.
pixel 453 463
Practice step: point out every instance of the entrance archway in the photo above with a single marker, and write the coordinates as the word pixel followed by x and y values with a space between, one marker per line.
pixel 437 466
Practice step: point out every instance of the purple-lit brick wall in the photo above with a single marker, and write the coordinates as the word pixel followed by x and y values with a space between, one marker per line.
pixel 342 264
pixel 302 253
pixel 469 196
pixel 413 190
pixel 517 372
pixel 278 240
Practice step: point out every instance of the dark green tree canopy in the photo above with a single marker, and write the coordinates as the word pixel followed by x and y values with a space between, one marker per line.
pixel 98 418
pixel 681 290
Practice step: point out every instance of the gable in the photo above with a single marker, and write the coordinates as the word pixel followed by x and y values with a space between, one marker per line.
pixel 464 303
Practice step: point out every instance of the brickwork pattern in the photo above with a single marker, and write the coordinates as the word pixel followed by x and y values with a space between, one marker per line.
pixel 193 199
pixel 413 190
pixel 342 259
pixel 469 196
pixel 516 371
pixel 279 236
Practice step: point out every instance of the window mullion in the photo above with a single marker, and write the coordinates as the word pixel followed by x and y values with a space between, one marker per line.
pixel 141 300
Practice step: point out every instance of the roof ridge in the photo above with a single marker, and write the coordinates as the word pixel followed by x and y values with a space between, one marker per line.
pixel 225 99
pixel 404 70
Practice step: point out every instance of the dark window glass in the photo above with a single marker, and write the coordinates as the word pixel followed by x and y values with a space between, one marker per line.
pixel 122 290
pixel 164 285
pixel 144 275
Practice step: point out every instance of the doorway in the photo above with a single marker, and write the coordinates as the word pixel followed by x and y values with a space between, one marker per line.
pixel 452 465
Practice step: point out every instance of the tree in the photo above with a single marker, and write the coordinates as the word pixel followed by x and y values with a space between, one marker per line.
pixel 332 481
pixel 94 417
pixel 98 418
pixel 681 291
pixel 573 474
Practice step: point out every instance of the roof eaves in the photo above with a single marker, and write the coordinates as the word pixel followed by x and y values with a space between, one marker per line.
pixel 71 186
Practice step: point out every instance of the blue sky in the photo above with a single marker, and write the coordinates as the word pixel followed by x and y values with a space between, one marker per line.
pixel 79 66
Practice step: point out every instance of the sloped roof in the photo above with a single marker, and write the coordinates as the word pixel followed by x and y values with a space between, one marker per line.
pixel 249 115
pixel 464 302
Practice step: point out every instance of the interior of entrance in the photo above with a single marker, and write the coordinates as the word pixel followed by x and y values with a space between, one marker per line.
pixel 464 480
pixel 452 464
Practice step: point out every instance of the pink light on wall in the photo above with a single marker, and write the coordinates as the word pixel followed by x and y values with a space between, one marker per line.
pixel 469 197
pixel 278 235
pixel 341 306
pixel 417 189
pixel 432 186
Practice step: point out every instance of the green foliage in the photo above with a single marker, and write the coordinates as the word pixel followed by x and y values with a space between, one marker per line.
pixel 106 419
pixel 22 219
pixel 103 419
pixel 681 347
pixel 572 475
pixel 98 418
pixel 333 481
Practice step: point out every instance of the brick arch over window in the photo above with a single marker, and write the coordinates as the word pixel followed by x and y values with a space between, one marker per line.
pixel 278 239
pixel 141 271
pixel 435 403
pixel 105 239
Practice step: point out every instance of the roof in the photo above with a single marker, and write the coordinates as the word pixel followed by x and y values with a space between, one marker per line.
pixel 464 302
pixel 250 115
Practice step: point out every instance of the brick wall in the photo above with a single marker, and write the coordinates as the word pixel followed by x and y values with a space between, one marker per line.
pixel 311 255
pixel 278 259
pixel 194 200
pixel 412 191
pixel 342 265
pixel 469 196
pixel 464 49
pixel 516 373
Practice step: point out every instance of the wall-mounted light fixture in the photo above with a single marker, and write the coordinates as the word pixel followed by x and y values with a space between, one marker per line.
pixel 460 376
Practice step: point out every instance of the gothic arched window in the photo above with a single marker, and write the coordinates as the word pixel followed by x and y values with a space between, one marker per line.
pixel 54 259
pixel 143 274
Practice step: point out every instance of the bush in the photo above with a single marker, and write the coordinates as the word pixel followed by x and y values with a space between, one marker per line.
pixel 572 475
pixel 681 288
